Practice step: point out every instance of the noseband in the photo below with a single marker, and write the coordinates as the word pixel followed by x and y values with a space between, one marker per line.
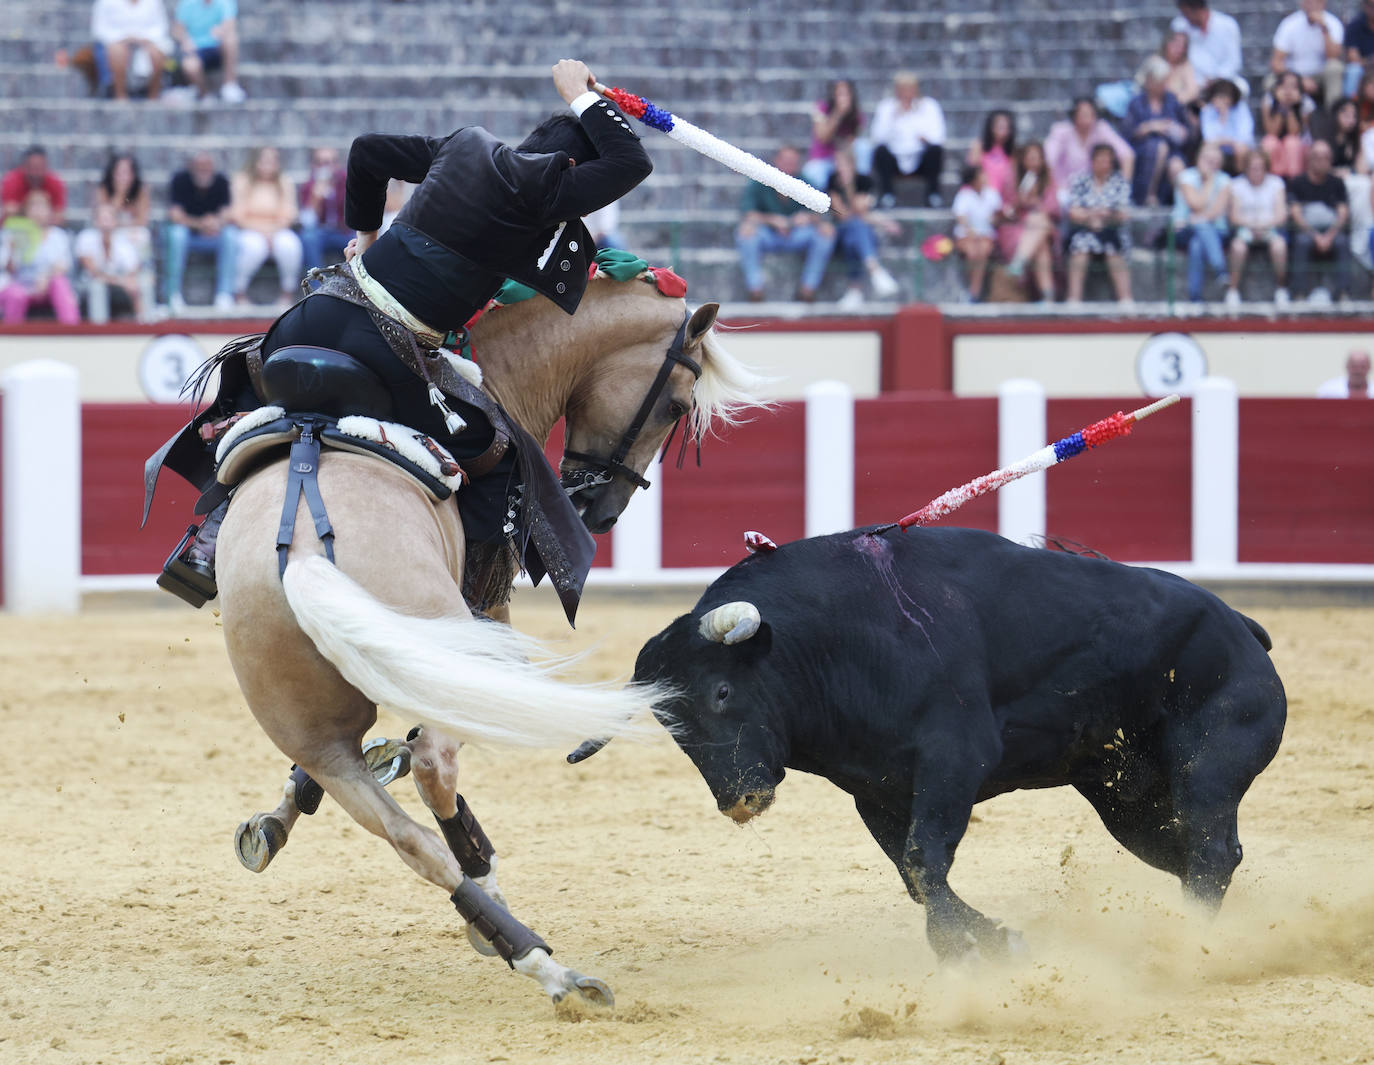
pixel 596 470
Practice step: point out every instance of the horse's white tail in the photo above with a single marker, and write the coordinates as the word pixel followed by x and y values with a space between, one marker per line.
pixel 473 679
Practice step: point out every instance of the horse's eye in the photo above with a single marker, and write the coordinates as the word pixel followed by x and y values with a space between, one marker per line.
pixel 676 410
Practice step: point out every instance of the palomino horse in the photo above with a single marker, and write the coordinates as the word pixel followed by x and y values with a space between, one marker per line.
pixel 317 650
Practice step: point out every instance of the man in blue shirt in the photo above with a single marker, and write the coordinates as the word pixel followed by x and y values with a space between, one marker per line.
pixel 207 36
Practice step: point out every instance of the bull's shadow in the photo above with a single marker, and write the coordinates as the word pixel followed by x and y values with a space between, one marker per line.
pixel 925 671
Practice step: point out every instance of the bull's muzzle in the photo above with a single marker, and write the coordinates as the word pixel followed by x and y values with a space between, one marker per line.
pixel 749 805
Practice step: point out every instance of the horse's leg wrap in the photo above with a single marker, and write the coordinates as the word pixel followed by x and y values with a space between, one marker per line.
pixel 493 921
pixel 308 792
pixel 467 841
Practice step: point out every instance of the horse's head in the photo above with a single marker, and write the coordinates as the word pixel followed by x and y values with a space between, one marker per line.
pixel 624 410
pixel 623 373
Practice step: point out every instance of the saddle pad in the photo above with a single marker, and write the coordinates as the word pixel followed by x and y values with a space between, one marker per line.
pixel 411 444
pixel 267 429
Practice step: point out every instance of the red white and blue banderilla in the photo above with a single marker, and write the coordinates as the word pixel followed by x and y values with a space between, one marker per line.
pixel 1091 436
pixel 711 146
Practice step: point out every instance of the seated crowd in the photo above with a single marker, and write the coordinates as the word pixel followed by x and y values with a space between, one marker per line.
pixel 1228 168
pixel 238 222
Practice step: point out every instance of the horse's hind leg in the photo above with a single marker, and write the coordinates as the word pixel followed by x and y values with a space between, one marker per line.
pixel 344 775
pixel 434 759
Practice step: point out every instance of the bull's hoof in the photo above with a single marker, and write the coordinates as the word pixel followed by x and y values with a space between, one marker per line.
pixel 584 991
pixel 257 841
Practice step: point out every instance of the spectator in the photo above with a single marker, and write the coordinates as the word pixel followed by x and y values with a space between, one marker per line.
pixel 1284 113
pixel 323 229
pixel 32 174
pixel 1344 138
pixel 1157 128
pixel 1359 47
pixel 1259 213
pixel 112 263
pixel 1355 383
pixel 1364 101
pixel 1030 205
pixel 198 220
pixel 1319 210
pixel 207 38
pixel 976 207
pixel 121 187
pixel 1213 40
pixel 835 124
pixel 995 151
pixel 1070 144
pixel 1308 42
pixel 604 226
pixel 262 206
pixel 1098 202
pixel 1228 124
pixel 1200 210
pixel 908 135
pixel 1182 80
pixel 36 262
pixel 851 199
pixel 773 223
pixel 132 43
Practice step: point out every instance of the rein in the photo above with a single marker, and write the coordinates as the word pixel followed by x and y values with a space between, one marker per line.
pixel 597 470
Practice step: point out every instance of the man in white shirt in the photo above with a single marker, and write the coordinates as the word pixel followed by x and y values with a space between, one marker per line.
pixel 1308 42
pixel 131 36
pixel 1213 40
pixel 908 133
pixel 1355 383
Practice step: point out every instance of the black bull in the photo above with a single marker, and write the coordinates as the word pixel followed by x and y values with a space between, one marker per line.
pixel 923 672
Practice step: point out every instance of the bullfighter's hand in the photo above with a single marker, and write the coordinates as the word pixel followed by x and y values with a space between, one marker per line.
pixel 572 78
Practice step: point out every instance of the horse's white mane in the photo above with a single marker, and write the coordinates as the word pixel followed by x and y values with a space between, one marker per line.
pixel 726 390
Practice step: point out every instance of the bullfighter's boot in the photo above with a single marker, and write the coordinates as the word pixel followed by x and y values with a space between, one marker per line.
pixel 189 573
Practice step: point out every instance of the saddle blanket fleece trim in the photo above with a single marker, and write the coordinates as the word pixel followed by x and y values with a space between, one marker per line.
pixel 256 433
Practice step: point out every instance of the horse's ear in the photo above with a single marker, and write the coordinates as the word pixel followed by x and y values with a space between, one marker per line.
pixel 700 324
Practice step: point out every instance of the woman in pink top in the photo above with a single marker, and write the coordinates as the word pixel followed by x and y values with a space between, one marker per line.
pixel 835 123
pixel 996 151
pixel 1030 206
pixel 1069 146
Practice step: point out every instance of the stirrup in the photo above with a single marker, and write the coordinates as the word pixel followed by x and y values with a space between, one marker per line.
pixel 191 582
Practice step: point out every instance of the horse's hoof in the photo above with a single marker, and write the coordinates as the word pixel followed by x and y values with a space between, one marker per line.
pixel 257 841
pixel 387 760
pixel 586 991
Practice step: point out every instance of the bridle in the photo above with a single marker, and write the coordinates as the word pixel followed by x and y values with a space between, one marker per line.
pixel 596 470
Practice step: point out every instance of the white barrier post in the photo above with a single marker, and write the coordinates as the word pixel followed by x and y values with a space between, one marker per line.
pixel 829 458
pixel 1020 431
pixel 1216 473
pixel 42 487
pixel 637 537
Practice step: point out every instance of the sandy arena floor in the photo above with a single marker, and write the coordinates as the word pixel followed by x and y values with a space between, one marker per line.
pixel 129 933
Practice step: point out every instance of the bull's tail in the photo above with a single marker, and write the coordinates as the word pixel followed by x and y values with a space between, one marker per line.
pixel 1257 631
pixel 472 679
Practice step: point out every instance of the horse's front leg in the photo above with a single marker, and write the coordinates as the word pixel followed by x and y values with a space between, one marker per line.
pixel 434 761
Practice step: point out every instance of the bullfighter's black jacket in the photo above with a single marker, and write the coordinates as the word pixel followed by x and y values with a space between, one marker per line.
pixel 484 212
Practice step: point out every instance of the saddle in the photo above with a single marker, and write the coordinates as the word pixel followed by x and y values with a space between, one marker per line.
pixel 348 406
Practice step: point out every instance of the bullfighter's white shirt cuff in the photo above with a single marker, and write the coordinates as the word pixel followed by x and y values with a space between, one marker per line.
pixel 583 102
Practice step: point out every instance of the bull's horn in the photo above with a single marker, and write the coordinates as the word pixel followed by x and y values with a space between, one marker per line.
pixel 586 750
pixel 732 623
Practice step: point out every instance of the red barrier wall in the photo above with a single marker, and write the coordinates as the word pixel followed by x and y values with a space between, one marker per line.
pixel 1306 480
pixel 910 448
pixel 1131 499
pixel 750 479
pixel 116 438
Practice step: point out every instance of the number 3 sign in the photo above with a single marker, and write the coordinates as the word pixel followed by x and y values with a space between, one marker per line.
pixel 1170 362
pixel 167 363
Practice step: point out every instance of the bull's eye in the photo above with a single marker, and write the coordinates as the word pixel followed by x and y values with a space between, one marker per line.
pixel 676 410
pixel 722 693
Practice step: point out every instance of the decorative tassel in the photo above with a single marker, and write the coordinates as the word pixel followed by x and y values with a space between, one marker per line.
pixel 452 422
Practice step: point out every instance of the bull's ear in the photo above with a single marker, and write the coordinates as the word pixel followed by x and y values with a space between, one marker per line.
pixel 703 318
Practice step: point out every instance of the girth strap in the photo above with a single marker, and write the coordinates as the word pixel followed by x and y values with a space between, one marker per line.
pixel 304 477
